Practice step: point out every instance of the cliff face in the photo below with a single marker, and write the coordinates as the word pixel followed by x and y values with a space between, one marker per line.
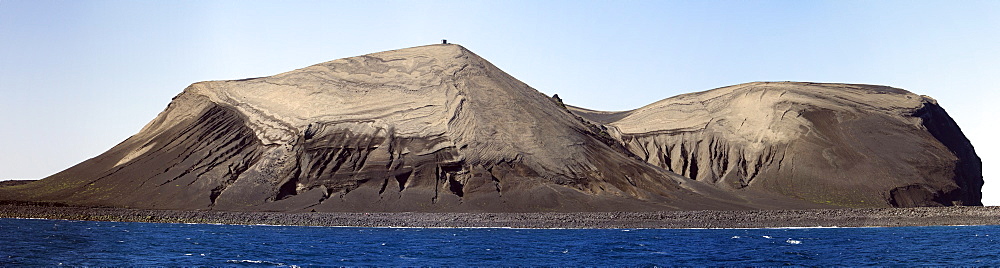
pixel 846 145
pixel 437 128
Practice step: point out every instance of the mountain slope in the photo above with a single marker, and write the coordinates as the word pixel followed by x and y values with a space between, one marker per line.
pixel 841 144
pixel 433 128
pixel 437 128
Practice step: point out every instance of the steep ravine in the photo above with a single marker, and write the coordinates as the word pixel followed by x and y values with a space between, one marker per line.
pixel 705 157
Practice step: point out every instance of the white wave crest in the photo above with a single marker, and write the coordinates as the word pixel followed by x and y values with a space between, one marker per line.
pixel 261 262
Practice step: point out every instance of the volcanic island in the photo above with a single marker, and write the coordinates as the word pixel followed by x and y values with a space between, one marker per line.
pixel 436 136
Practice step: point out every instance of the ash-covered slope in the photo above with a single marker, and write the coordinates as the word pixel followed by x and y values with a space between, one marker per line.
pixel 840 144
pixel 437 128
pixel 433 128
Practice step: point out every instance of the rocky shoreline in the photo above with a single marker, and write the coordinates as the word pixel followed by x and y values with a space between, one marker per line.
pixel 876 217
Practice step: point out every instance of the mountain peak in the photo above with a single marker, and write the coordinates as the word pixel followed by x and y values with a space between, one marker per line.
pixel 384 86
pixel 438 128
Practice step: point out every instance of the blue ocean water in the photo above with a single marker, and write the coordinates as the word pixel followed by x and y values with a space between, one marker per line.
pixel 33 242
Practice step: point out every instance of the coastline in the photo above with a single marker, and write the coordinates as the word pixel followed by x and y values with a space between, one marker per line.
pixel 867 217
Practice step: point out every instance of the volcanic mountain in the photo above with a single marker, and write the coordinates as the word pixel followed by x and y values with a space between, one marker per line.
pixel 437 128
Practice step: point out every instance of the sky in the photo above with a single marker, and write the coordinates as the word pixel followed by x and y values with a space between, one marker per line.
pixel 78 77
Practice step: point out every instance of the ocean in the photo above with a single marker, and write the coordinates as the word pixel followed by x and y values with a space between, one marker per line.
pixel 37 242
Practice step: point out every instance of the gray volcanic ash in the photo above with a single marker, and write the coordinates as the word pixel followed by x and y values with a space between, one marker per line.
pixel 437 128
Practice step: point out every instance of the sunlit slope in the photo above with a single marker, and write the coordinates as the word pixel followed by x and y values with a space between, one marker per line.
pixel 433 128
pixel 437 128
pixel 841 144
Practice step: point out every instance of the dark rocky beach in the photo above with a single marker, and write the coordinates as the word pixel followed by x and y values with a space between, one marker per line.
pixel 869 217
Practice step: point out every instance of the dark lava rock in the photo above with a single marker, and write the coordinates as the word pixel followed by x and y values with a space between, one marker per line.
pixel 14 182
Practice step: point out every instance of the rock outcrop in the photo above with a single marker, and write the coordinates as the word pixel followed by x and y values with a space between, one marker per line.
pixel 437 128
pixel 839 144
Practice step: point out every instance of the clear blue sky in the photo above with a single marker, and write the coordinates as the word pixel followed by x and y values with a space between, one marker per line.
pixel 77 77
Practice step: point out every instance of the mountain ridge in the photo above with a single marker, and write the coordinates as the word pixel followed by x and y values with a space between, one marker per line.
pixel 809 117
pixel 438 128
